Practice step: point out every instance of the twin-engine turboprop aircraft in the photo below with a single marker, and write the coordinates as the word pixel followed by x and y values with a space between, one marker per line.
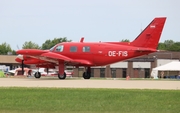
pixel 89 54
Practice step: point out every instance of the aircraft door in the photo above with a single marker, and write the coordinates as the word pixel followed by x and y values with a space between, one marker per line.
pixel 98 53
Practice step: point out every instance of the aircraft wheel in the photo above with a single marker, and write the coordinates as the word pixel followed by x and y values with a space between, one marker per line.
pixel 62 76
pixel 86 75
pixel 37 75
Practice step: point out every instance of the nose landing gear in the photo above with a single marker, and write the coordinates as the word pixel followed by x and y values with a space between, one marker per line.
pixel 62 76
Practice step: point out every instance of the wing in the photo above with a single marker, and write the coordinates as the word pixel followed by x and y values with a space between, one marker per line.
pixel 51 59
pixel 67 60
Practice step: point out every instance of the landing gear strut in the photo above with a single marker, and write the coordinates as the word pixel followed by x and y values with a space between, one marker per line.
pixel 61 74
pixel 87 74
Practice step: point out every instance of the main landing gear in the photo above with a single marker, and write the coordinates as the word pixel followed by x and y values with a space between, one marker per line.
pixel 87 74
pixel 37 75
pixel 61 73
pixel 62 76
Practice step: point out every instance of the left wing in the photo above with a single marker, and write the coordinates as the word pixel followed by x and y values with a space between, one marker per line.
pixel 55 56
pixel 44 58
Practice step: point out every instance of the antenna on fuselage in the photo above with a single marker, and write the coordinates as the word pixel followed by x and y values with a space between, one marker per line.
pixel 82 39
pixel 18 47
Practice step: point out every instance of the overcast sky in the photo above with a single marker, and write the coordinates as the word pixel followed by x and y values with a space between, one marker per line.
pixel 96 20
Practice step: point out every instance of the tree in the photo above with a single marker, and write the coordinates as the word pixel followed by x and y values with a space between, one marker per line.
pixel 161 46
pixel 174 47
pixel 168 43
pixel 14 52
pixel 125 40
pixel 30 45
pixel 5 48
pixel 50 43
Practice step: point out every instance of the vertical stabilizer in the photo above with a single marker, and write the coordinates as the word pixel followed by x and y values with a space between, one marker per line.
pixel 149 37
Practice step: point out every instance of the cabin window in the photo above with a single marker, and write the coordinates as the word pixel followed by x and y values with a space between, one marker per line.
pixel 86 49
pixel 73 49
pixel 59 48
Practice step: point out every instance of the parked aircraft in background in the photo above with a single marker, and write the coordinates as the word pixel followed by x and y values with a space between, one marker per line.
pixel 46 72
pixel 43 72
pixel 18 71
pixel 89 54
pixel 52 72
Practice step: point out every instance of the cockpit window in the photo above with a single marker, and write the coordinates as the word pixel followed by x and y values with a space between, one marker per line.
pixel 86 49
pixel 59 48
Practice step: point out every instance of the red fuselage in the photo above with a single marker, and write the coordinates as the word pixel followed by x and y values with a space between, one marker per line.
pixel 101 53
pixel 98 54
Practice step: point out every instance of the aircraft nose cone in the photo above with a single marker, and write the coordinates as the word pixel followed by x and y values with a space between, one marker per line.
pixel 20 57
pixel 18 60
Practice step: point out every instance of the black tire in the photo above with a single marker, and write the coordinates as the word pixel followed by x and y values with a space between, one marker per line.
pixel 37 75
pixel 62 76
pixel 86 75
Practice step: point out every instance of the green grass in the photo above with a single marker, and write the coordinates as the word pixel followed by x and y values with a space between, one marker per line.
pixel 2 74
pixel 64 100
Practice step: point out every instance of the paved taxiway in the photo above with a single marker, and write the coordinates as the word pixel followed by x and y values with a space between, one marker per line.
pixel 92 83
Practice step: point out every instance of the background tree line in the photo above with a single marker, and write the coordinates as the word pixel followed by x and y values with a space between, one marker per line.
pixel 167 45
pixel 6 48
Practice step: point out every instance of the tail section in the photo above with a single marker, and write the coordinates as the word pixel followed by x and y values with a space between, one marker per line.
pixel 150 36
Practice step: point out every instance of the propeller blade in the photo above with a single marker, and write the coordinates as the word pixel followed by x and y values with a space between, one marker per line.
pixel 22 66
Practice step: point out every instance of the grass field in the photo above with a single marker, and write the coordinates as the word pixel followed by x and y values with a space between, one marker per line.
pixel 64 100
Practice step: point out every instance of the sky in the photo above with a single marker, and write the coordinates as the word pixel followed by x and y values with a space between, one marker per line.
pixel 96 20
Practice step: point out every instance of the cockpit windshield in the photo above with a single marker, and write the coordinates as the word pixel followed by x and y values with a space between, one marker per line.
pixel 52 48
pixel 58 48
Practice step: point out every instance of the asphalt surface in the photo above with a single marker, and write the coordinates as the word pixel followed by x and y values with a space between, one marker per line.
pixel 92 83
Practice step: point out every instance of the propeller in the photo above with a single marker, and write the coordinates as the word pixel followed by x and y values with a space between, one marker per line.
pixel 22 66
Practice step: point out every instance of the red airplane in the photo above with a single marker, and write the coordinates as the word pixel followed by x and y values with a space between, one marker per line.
pixel 89 54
